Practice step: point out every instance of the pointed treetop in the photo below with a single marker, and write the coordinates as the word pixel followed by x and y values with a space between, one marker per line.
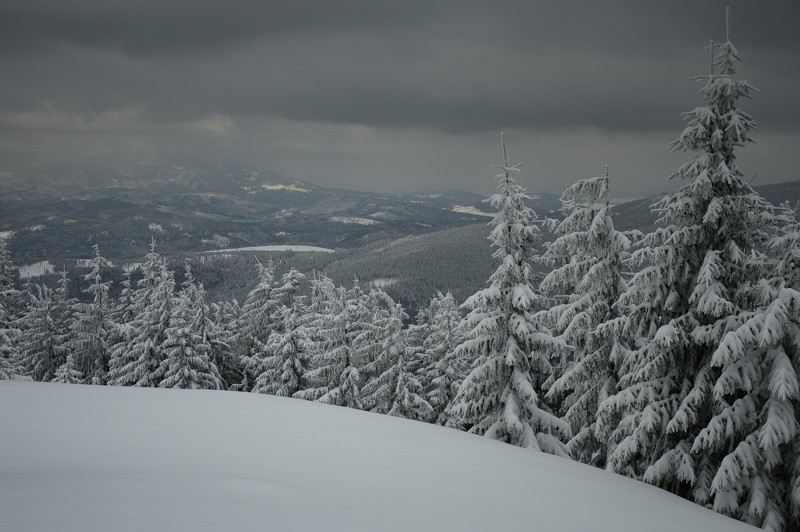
pixel 507 167
pixel 710 48
pixel 727 24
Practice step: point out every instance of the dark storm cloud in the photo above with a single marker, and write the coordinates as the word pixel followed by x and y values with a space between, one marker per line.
pixel 455 67
pixel 192 26
pixel 155 72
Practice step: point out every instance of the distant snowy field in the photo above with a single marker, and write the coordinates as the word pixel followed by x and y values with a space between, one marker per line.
pixel 298 249
pixel 80 458
pixel 36 269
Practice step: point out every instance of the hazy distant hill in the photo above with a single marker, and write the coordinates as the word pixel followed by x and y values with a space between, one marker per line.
pixel 54 212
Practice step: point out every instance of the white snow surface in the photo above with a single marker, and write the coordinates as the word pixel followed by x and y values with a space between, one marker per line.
pixel 353 220
pixel 37 269
pixel 84 458
pixel 290 247
pixel 468 209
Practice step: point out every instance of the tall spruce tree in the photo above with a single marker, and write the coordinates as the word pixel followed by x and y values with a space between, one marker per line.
pixel 41 355
pixel 502 397
pixel 697 274
pixel 394 390
pixel 287 350
pixel 443 370
pixel 93 324
pixel 226 318
pixel 751 442
pixel 583 286
pixel 187 347
pixel 9 308
pixel 334 377
pixel 136 361
pixel 256 322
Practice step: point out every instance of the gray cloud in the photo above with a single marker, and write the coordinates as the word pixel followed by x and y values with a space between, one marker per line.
pixel 197 78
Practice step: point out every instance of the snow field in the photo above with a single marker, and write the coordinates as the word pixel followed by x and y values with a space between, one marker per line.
pixel 82 458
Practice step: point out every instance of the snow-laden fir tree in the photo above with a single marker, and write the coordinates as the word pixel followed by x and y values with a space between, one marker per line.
pixel 187 360
pixel 287 350
pixel 136 361
pixel 415 336
pixel 256 322
pixel 93 324
pixel 124 310
pixel 40 353
pixel 442 370
pixel 9 303
pixel 394 390
pixel 205 325
pixel 333 377
pixel 697 274
pixel 64 315
pixel 583 285
pixel 225 316
pixel 370 314
pixel 502 397
pixel 68 372
pixel 752 440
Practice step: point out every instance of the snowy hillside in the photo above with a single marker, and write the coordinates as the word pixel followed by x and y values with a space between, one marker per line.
pixel 76 457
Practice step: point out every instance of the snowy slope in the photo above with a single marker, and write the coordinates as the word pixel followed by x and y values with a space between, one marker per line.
pixel 78 457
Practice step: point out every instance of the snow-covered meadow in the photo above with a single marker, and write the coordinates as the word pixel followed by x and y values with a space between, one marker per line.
pixel 83 458
pixel 275 248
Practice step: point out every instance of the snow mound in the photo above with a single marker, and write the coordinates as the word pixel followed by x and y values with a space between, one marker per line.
pixel 82 458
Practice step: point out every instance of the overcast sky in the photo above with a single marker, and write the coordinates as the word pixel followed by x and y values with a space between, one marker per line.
pixel 390 96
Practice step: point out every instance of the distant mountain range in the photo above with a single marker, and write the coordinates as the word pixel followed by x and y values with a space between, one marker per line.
pixel 56 212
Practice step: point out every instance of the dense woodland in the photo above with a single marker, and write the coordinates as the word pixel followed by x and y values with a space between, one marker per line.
pixel 670 357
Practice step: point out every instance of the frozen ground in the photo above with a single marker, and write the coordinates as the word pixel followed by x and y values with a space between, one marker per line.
pixel 81 458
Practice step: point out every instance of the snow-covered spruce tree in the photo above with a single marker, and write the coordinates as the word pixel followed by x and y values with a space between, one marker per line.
pixel 333 377
pixel 9 303
pixel 287 354
pixel 502 398
pixel 64 316
pixel 187 360
pixel 416 335
pixel 698 271
pixel 751 442
pixel 584 284
pixel 370 315
pixel 226 318
pixel 394 390
pixel 68 373
pixel 40 353
pixel 257 322
pixel 93 325
pixel 136 361
pixel 443 370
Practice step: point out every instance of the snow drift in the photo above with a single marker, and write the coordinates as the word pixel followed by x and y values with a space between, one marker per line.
pixel 76 457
